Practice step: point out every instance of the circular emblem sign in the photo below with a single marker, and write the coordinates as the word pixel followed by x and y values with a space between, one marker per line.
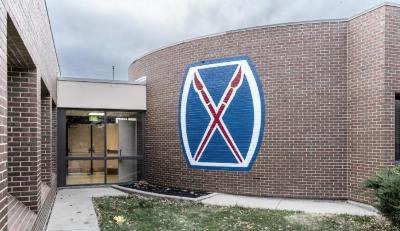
pixel 221 114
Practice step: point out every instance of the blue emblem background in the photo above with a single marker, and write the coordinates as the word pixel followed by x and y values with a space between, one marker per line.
pixel 238 118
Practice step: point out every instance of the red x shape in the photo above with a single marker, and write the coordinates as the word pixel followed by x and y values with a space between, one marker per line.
pixel 216 114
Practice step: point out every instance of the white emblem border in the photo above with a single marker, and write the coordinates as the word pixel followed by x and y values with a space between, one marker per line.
pixel 256 98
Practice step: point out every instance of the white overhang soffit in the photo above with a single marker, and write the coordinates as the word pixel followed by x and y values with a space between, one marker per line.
pixel 101 94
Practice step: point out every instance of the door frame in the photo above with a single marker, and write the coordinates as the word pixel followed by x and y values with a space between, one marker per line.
pixel 62 146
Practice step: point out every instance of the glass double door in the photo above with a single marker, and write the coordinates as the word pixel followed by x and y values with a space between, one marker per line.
pixel 101 147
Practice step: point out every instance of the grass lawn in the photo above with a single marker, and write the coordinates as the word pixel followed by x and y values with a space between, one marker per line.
pixel 139 213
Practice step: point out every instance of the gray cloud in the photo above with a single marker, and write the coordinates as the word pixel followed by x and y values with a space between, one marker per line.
pixel 93 35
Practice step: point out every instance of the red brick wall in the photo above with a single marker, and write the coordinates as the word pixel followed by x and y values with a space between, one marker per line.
pixel 54 142
pixel 45 209
pixel 46 138
pixel 3 121
pixel 370 146
pixel 23 122
pixel 329 99
pixel 303 70
pixel 32 26
pixel 392 72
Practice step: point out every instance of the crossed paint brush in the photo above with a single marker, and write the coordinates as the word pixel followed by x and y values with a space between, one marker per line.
pixel 216 114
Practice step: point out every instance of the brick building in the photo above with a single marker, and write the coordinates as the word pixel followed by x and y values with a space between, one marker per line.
pixel 28 75
pixel 330 91
pixel 328 94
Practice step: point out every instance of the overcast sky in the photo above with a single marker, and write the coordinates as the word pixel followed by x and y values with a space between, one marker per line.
pixel 93 35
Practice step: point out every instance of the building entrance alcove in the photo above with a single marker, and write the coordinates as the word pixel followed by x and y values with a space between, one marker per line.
pixel 100 131
pixel 102 147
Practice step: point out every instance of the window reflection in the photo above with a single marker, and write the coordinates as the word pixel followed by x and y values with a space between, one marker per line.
pixel 113 136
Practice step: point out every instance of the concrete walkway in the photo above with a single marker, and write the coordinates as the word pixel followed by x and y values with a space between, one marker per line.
pixel 73 208
pixel 308 206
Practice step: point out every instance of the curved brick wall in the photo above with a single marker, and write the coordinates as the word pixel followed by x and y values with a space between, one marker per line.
pixel 303 151
pixel 308 142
